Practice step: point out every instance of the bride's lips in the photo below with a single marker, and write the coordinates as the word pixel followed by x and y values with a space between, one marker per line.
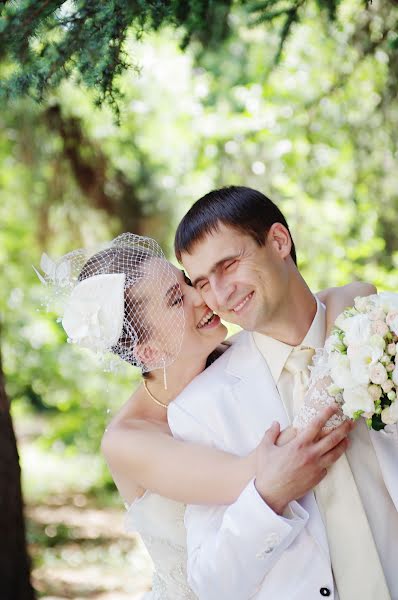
pixel 208 321
pixel 241 305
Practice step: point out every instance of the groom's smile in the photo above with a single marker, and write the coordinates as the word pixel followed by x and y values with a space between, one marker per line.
pixel 238 308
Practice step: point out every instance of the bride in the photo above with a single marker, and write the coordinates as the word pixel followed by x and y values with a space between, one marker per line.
pixel 127 298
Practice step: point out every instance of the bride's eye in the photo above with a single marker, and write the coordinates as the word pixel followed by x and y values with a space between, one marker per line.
pixel 177 301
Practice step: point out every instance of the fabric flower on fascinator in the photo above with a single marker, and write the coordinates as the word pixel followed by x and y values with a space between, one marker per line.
pixel 94 312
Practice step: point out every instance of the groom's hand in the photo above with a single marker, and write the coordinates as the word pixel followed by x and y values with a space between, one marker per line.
pixel 288 472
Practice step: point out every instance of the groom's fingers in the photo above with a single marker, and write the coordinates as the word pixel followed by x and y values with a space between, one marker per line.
pixel 334 438
pixel 314 429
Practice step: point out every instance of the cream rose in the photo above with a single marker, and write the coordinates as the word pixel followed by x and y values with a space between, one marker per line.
pixel 387 386
pixel 374 391
pixel 378 373
pixel 389 415
pixel 379 328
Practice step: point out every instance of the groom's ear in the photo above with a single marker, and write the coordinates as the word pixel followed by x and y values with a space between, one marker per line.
pixel 279 237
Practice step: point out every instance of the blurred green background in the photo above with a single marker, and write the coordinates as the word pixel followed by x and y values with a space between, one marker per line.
pixel 317 132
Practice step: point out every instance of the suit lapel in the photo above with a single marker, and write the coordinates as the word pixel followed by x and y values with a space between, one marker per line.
pixel 253 397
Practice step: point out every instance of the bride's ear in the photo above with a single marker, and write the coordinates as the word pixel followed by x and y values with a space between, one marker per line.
pixel 148 354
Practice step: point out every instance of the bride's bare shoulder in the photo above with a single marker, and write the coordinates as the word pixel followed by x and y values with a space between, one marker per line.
pixel 127 425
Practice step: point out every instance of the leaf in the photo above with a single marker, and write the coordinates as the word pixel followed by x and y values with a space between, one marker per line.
pixel 377 423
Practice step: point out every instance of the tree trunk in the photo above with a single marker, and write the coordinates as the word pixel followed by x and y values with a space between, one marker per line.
pixel 14 562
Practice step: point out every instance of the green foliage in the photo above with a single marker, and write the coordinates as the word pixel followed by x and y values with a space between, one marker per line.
pixel 51 40
pixel 45 43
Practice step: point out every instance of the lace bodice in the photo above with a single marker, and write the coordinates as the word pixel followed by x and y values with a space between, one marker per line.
pixel 160 522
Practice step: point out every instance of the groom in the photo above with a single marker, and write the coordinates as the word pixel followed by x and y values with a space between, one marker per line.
pixel 238 251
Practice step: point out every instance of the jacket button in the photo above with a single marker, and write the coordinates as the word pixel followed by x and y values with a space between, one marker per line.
pixel 324 592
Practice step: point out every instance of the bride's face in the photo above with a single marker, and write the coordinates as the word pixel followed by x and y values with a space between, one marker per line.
pixel 203 330
pixel 180 324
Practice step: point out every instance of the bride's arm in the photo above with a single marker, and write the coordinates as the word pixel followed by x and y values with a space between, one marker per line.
pixel 141 457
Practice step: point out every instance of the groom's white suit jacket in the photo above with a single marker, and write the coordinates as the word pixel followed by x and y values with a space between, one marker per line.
pixel 245 550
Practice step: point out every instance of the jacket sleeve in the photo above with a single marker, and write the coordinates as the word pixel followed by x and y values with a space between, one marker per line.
pixel 231 549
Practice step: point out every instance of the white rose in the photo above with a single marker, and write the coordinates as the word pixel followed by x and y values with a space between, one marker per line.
pixel 377 342
pixel 339 322
pixel 395 375
pixel 334 343
pixel 340 370
pixel 392 349
pixel 388 301
pixel 362 304
pixel 357 330
pixel 389 415
pixel 361 358
pixel 357 398
pixel 392 321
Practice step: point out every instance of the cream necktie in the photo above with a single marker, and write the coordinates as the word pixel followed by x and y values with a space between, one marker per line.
pixel 355 561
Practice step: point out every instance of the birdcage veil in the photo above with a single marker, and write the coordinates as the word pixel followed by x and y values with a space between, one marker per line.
pixel 123 298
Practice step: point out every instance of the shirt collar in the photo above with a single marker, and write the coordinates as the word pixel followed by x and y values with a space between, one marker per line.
pixel 276 352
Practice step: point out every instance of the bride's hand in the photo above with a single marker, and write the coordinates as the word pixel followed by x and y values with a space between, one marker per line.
pixel 336 299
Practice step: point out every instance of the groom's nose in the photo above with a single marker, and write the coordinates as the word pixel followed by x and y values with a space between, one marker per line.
pixel 221 292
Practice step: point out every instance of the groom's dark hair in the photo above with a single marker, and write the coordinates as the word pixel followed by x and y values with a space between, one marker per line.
pixel 242 208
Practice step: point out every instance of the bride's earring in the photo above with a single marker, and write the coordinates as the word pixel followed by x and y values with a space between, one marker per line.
pixel 164 375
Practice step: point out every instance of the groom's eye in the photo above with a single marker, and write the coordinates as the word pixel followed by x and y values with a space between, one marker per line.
pixel 230 264
pixel 187 280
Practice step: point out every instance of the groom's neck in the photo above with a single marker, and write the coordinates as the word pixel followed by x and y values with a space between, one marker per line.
pixel 294 315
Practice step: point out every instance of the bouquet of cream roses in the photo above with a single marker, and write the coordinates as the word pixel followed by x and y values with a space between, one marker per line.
pixel 361 355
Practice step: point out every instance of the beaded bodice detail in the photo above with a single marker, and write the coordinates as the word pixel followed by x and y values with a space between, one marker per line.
pixel 160 522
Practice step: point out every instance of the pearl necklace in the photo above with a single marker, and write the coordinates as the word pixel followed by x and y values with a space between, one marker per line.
pixel 153 397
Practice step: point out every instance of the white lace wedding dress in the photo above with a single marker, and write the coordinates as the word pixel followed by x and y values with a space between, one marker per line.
pixel 160 522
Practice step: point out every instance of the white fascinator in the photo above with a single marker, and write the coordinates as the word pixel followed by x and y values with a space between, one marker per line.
pixel 123 298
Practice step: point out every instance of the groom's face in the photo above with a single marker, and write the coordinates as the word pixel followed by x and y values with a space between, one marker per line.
pixel 243 282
